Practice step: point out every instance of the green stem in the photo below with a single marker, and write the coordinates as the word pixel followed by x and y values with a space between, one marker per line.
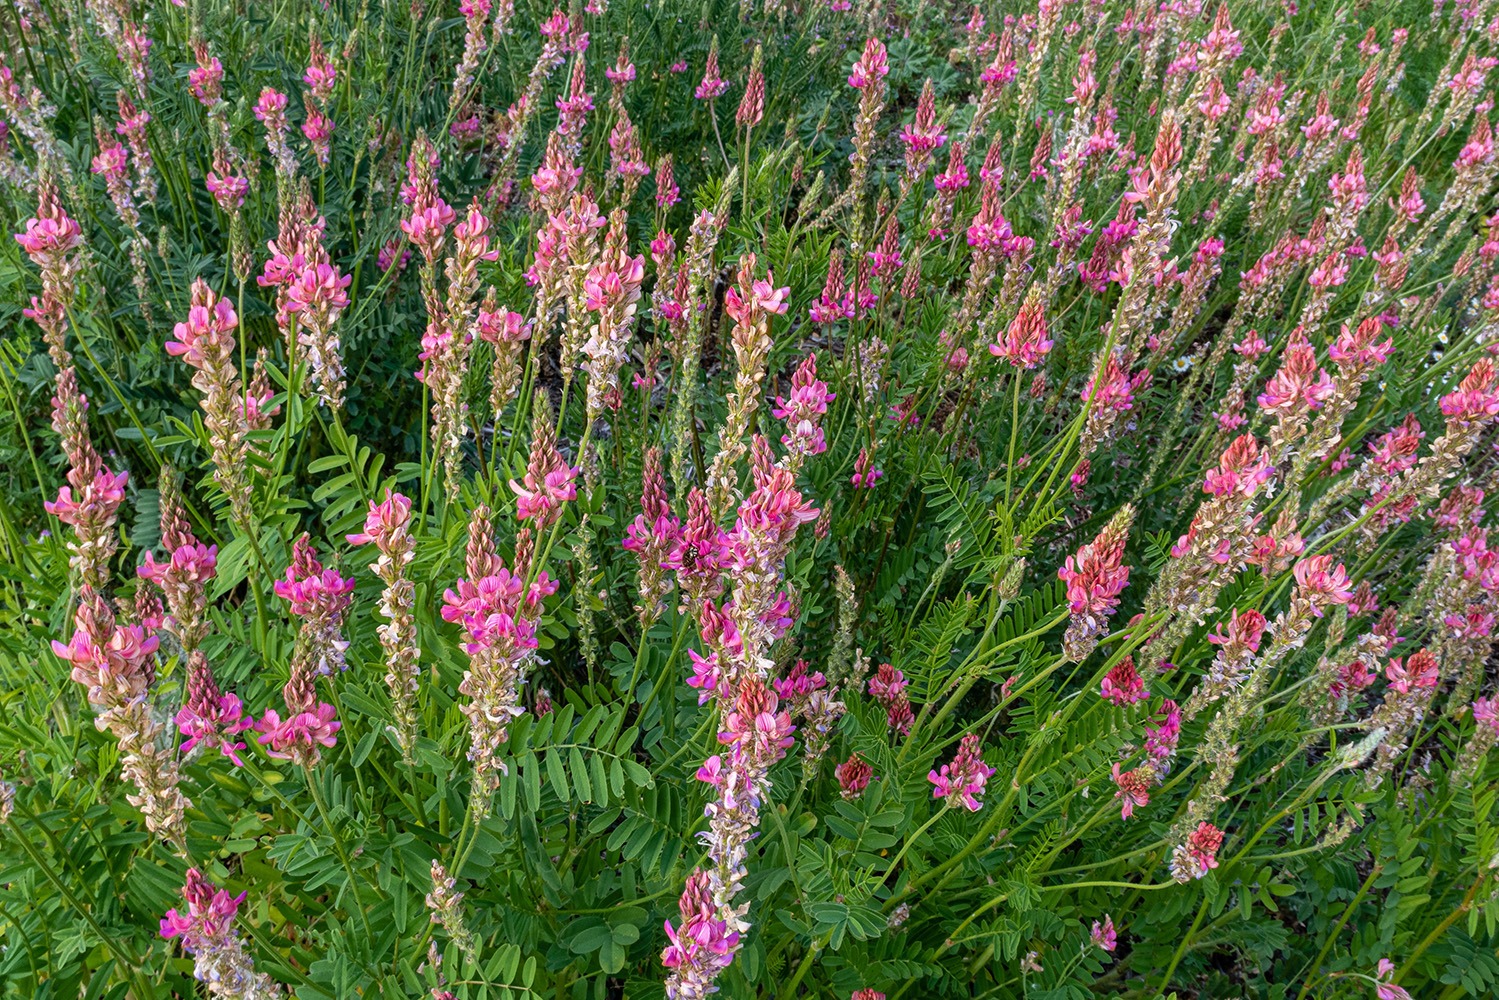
pixel 338 845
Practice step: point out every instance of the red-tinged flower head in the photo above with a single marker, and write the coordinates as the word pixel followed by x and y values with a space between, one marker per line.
pixel 1299 385
pixel 754 299
pixel 1112 387
pixel 829 308
pixel 1096 575
pixel 1132 789
pixel 321 76
pixel 1409 204
pixel 804 411
pixel 1200 852
pixel 955 177
pixel 1383 988
pixel 752 106
pixel 501 326
pixel 270 109
pixel 667 192
pixel 206 80
pixel 51 235
pixel 923 136
pixel 1361 348
pixel 1123 685
pixel 700 552
pixel 1003 68
pixel 212 719
pixel 702 945
pixel 385 524
pixel 1486 713
pixel 113 662
pixel 1104 935
pixel 1215 101
pixel 207 337
pixel 854 775
pixel 865 474
pixel 1243 630
pixel 299 736
pixel 208 918
pixel 1221 43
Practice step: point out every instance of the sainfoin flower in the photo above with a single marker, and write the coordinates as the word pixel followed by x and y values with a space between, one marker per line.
pixel 712 85
pixel 701 944
pixel 386 526
pixel 853 776
pixel 1104 935
pixel 207 341
pixel 1384 988
pixel 298 736
pixel 211 718
pixel 804 411
pixel 1132 789
pixel 205 926
pixel 1123 685
pixel 888 687
pixel 1199 855
pixel 653 536
pixel 962 781
pixel 1025 341
pixel 872 66
pixel 1095 577
pixel 320 597
pixel 1321 581
pixel 546 486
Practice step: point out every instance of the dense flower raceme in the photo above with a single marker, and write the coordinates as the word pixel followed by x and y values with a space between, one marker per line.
pixel 387 527
pixel 707 561
pixel 205 926
pixel 961 782
pixel 804 411
pixel 1095 576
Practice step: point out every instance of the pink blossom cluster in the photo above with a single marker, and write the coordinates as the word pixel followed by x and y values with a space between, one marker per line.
pixel 206 927
pixel 113 662
pixel 702 943
pixel 838 301
pixel 888 687
pixel 1199 854
pixel 1026 341
pixel 804 411
pixel 89 501
pixel 855 774
pixel 961 782
pixel 1322 582
pixel 713 85
pixel 321 597
pixel 1095 577
pixel 871 68
pixel 1123 685
pixel 548 483
pixel 653 536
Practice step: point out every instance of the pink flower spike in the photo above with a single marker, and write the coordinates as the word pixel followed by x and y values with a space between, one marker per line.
pixel 962 781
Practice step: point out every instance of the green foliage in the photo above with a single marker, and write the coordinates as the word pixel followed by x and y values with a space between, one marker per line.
pixel 1359 811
